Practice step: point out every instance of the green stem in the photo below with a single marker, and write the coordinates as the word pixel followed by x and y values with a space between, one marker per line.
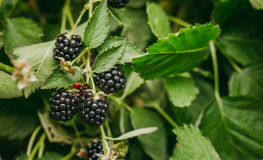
pixel 231 61
pixel 126 106
pixel 119 22
pixel 70 18
pixel 42 139
pixel 86 7
pixel 32 139
pixel 41 150
pixel 64 16
pixel 151 88
pixel 81 54
pixel 178 21
pixel 12 9
pixel 6 68
pixel 120 102
pixel 108 129
pixel 76 130
pixel 105 143
pixel 68 156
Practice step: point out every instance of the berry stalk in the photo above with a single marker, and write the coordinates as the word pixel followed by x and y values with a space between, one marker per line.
pixel 42 139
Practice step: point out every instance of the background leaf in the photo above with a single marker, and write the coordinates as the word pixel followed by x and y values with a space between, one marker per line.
pixel 98 27
pixel 51 156
pixel 178 53
pixel 24 157
pixel 17 120
pixel 235 131
pixel 182 90
pixel 122 15
pixel 16 36
pixel 134 82
pixel 112 56
pixel 137 3
pixel 61 78
pixel 257 4
pixel 151 143
pixel 158 20
pixel 8 87
pixel 194 145
pixel 248 82
pixel 5 7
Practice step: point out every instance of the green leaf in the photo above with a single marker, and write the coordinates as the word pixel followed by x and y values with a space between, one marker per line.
pixel 61 78
pixel 182 90
pixel 54 131
pixel 139 33
pixel 134 82
pixel 194 145
pixel 134 133
pixel 257 4
pixel 18 118
pixel 16 36
pixel 24 157
pixel 8 87
pixel 40 57
pixel 137 3
pixel 106 60
pixel 158 20
pixel 151 143
pixel 122 15
pixel 177 153
pixel 5 7
pixel 98 27
pixel 241 37
pixel 178 53
pixel 235 129
pixel 247 82
pixel 130 50
pixel 125 122
pixel 51 156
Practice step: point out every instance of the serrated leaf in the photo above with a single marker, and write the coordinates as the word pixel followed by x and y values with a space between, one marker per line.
pixel 106 60
pixel 194 145
pixel 61 78
pixel 158 20
pixel 241 37
pixel 247 82
pixel 8 87
pixel 257 4
pixel 177 153
pixel 151 143
pixel 17 118
pixel 134 82
pixel 98 27
pixel 182 90
pixel 16 36
pixel 178 53
pixel 134 133
pixel 24 157
pixel 54 131
pixel 130 50
pixel 122 15
pixel 5 7
pixel 139 33
pixel 51 156
pixel 40 57
pixel 235 129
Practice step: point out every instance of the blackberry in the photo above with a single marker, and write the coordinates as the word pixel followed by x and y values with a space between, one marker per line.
pixel 95 148
pixel 111 81
pixel 69 49
pixel 63 105
pixel 118 3
pixel 93 112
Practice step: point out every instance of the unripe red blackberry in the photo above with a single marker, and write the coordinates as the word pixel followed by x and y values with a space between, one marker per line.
pixel 95 148
pixel 111 81
pixel 92 111
pixel 63 105
pixel 118 3
pixel 69 49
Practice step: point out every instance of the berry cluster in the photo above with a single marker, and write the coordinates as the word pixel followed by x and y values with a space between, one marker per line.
pixel 111 81
pixel 68 49
pixel 118 3
pixel 92 111
pixel 63 105
pixel 95 148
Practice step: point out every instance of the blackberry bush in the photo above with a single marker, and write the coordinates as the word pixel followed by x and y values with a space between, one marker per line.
pixel 69 49
pixel 92 111
pixel 95 148
pixel 63 105
pixel 111 81
pixel 118 3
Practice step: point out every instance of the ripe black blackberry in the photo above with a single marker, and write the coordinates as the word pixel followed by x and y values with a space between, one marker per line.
pixel 118 3
pixel 95 148
pixel 92 111
pixel 63 105
pixel 69 49
pixel 111 81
